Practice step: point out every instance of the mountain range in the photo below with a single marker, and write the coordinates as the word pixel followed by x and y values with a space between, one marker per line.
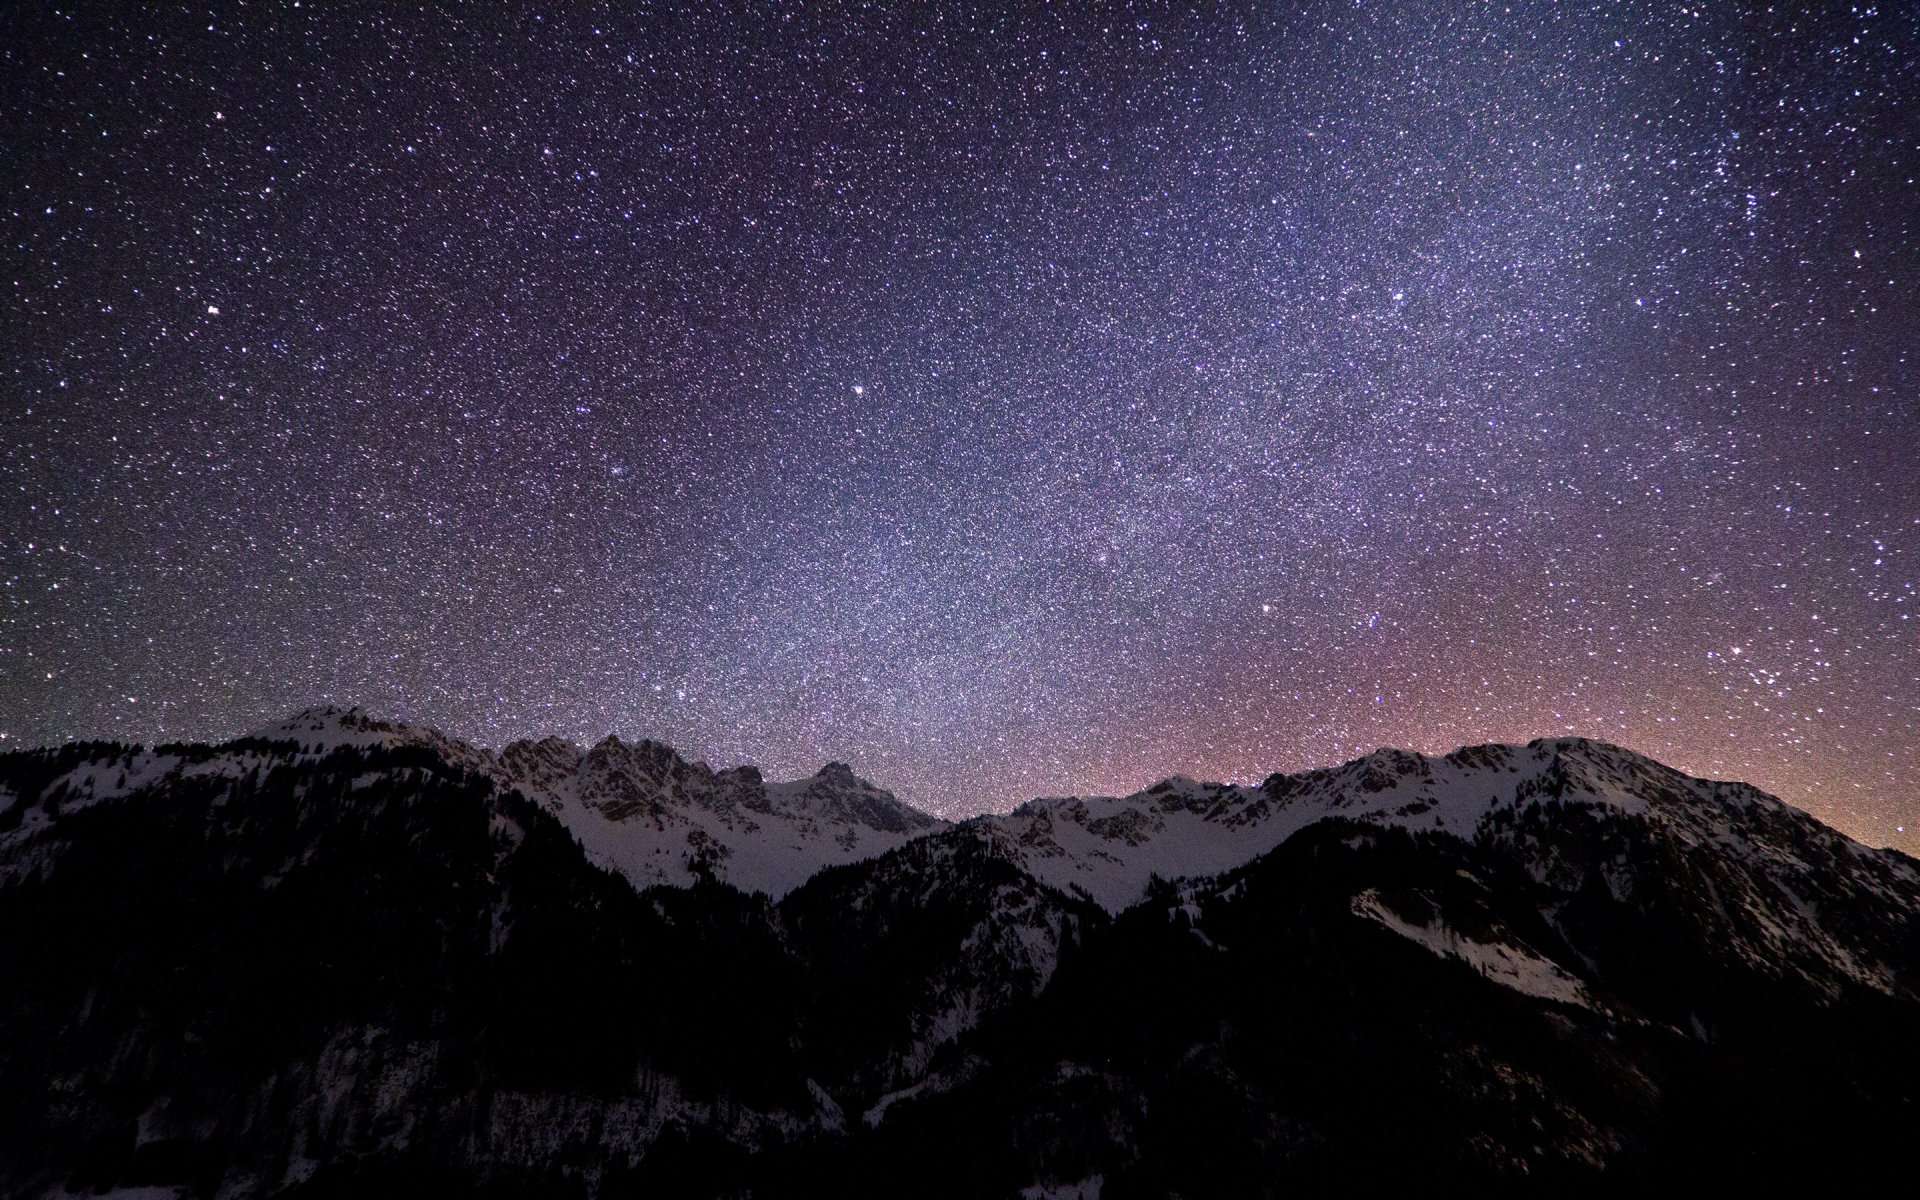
pixel 347 957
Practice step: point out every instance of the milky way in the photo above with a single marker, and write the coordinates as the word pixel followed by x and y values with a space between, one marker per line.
pixel 1006 402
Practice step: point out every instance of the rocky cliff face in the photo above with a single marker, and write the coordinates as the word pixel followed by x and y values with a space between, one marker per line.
pixel 658 819
pixel 348 957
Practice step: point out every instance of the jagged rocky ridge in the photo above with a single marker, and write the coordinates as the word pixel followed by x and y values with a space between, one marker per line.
pixel 347 957
pixel 641 809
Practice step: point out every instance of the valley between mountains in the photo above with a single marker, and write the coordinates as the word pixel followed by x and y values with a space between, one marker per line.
pixel 350 957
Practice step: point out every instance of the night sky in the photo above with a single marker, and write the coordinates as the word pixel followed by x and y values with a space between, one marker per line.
pixel 1007 402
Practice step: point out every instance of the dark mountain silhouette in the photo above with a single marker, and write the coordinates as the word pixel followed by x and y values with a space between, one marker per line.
pixel 352 958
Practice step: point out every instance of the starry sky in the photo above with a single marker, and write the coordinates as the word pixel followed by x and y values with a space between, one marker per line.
pixel 1008 401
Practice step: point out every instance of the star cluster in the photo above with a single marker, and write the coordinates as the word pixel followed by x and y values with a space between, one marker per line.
pixel 1006 400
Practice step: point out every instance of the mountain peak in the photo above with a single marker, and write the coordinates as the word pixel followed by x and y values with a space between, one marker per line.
pixel 643 809
pixel 326 719
pixel 323 729
pixel 1110 847
pixel 838 773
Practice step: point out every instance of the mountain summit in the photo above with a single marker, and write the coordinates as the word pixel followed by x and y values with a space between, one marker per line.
pixel 643 810
pixel 659 819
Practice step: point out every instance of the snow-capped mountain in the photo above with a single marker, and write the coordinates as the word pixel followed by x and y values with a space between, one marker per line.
pixel 344 956
pixel 643 810
pixel 321 730
pixel 1109 848
pixel 636 807
pixel 658 819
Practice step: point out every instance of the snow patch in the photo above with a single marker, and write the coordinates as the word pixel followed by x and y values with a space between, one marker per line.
pixel 1514 967
pixel 878 1113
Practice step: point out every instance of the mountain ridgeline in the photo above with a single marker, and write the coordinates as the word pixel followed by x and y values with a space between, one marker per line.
pixel 345 957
